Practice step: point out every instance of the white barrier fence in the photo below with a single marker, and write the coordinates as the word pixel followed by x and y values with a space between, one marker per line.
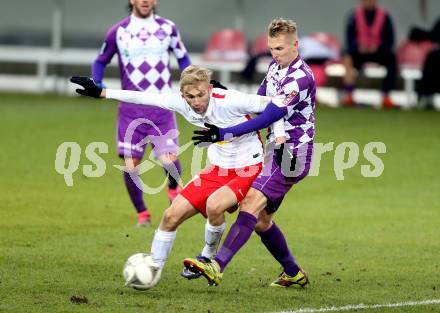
pixel 42 82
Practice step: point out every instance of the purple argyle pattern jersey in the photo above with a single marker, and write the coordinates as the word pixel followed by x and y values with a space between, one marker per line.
pixel 143 47
pixel 293 90
pixel 275 181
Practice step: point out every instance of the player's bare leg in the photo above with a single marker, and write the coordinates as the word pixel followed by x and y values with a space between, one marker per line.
pixel 134 188
pixel 271 236
pixel 216 205
pixel 238 235
pixel 164 237
pixel 254 202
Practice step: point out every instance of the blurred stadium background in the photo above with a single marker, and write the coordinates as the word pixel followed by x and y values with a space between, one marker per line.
pixel 363 240
pixel 46 42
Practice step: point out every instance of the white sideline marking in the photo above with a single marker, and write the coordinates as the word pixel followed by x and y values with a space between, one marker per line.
pixel 363 306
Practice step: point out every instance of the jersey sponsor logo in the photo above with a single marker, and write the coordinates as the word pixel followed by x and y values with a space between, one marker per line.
pixel 143 52
pixel 218 96
pixel 256 155
pixel 289 98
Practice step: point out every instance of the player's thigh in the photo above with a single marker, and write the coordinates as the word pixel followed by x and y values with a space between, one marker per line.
pixel 179 211
pixel 244 177
pixel 203 185
pixel 276 181
pixel 239 186
pixel 254 202
pixel 221 200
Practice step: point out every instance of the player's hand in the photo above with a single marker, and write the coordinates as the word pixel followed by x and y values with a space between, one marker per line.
pixel 211 134
pixel 217 84
pixel 91 89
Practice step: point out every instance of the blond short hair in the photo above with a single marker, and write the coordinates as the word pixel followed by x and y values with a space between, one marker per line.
pixel 194 74
pixel 281 26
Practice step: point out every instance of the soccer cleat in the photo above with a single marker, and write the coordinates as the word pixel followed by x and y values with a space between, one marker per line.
pixel 209 269
pixel 301 279
pixel 172 193
pixel 145 224
pixel 186 273
pixel 144 219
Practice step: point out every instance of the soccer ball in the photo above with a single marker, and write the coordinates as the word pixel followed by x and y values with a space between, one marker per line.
pixel 141 272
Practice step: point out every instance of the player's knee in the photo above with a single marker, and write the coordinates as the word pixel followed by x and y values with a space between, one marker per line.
pixel 253 203
pixel 214 207
pixel 262 226
pixel 170 220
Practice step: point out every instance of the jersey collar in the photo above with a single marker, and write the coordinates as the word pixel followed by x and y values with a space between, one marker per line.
pixel 142 20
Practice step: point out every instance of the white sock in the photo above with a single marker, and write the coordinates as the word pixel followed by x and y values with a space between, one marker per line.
pixel 213 234
pixel 161 245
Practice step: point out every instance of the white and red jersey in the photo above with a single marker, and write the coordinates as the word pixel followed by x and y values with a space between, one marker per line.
pixel 226 108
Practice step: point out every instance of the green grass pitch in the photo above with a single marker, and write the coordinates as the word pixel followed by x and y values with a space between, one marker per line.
pixel 362 240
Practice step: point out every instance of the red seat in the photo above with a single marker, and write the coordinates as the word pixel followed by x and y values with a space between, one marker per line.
pixel 260 45
pixel 412 54
pixel 226 45
pixel 319 74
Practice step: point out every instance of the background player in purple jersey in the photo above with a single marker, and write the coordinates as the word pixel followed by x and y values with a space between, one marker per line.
pixel 143 42
pixel 290 81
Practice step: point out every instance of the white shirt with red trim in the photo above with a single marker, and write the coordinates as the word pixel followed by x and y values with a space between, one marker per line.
pixel 226 108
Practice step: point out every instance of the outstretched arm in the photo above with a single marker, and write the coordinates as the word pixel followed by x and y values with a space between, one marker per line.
pixel 91 89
